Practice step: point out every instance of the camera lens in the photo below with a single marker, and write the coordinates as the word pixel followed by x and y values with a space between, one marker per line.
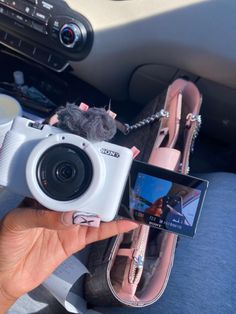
pixel 64 172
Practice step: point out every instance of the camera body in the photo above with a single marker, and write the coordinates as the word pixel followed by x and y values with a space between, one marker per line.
pixel 63 171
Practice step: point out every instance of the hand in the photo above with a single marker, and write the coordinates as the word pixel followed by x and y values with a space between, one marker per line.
pixel 34 242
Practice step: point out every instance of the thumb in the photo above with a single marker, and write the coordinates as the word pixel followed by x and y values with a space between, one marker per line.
pixel 21 219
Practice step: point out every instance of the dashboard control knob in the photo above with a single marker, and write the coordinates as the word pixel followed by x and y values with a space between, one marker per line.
pixel 70 35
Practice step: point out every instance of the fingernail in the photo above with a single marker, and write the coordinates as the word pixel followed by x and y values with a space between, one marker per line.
pixel 84 219
pixel 79 218
pixel 67 218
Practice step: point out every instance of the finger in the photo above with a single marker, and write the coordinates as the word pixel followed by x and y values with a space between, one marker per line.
pixel 109 229
pixel 26 218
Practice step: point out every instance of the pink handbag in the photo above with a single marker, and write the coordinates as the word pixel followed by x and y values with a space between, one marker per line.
pixel 133 269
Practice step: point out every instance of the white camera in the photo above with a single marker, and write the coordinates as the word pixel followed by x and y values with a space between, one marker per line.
pixel 63 171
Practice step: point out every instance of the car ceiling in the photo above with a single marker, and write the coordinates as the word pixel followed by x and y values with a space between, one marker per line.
pixel 197 36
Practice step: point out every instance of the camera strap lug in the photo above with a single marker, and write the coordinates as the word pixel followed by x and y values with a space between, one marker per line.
pixel 36 125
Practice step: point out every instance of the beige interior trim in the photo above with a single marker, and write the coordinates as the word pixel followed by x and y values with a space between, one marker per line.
pixel 195 35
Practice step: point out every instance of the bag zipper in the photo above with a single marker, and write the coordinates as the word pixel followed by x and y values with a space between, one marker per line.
pixel 196 120
pixel 136 266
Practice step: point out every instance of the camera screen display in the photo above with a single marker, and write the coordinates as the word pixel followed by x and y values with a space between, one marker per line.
pixel 163 199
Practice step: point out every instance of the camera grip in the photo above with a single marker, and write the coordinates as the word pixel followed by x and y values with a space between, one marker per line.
pixel 9 149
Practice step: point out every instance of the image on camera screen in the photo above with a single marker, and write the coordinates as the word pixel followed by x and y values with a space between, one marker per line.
pixel 164 201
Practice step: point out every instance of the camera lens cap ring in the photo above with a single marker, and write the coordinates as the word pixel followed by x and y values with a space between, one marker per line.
pixel 98 173
pixel 64 172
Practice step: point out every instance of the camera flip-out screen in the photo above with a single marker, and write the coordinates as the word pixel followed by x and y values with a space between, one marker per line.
pixel 163 199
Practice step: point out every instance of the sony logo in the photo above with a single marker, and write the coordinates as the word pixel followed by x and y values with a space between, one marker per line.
pixel 109 152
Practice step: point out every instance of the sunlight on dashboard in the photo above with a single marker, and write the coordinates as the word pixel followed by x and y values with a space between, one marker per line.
pixel 104 14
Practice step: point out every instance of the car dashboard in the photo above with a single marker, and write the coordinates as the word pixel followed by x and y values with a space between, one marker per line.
pixel 132 49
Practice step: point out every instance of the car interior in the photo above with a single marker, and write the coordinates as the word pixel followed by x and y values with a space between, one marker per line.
pixel 128 52
pixel 123 54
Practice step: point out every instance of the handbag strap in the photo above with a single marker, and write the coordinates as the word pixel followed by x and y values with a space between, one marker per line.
pixel 183 102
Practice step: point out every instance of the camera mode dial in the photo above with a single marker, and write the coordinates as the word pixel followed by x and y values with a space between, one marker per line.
pixel 70 35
